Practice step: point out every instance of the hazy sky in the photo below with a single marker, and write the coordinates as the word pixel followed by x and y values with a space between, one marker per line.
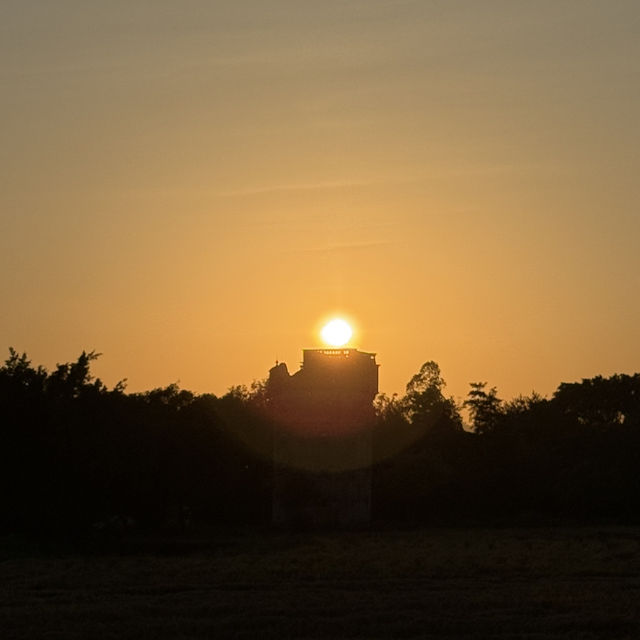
pixel 190 187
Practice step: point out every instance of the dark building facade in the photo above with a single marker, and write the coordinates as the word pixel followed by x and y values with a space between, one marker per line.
pixel 323 416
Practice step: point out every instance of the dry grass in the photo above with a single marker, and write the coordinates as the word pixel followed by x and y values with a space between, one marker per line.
pixel 519 583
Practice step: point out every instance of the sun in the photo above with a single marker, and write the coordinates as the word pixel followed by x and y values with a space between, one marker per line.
pixel 336 332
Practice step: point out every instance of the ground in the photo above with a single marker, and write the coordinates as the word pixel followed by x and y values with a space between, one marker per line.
pixel 440 583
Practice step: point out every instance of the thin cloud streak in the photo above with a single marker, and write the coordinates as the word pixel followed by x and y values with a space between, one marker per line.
pixel 317 186
pixel 337 248
pixel 428 174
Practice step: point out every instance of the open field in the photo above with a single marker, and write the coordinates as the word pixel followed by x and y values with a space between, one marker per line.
pixel 453 583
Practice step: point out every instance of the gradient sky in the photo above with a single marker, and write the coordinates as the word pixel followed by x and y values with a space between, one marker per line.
pixel 190 187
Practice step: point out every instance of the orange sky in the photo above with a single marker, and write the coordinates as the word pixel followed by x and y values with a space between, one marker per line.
pixel 190 187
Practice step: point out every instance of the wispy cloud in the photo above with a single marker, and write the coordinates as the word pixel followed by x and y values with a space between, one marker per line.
pixel 313 186
pixel 344 247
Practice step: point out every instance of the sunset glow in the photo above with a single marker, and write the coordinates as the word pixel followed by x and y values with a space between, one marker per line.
pixel 194 190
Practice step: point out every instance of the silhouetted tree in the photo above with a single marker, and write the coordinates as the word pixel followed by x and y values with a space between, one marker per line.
pixel 425 403
pixel 601 402
pixel 485 408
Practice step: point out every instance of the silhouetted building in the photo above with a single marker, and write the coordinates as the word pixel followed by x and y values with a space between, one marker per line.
pixel 323 441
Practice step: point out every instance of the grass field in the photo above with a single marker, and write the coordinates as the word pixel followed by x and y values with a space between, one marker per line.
pixel 453 583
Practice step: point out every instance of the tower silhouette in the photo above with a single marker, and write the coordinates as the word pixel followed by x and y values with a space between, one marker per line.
pixel 323 415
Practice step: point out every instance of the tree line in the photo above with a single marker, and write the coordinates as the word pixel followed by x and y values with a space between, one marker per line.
pixel 573 457
pixel 77 456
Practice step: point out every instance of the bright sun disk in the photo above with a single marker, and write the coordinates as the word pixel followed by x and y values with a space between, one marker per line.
pixel 337 332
